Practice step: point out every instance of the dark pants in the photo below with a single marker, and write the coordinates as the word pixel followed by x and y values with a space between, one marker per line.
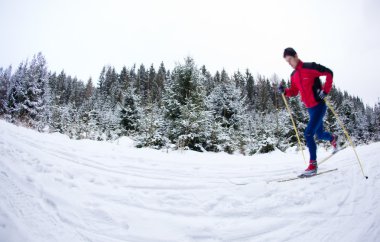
pixel 315 127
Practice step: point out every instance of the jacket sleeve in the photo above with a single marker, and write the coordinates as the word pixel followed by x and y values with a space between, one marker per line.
pixel 292 90
pixel 324 71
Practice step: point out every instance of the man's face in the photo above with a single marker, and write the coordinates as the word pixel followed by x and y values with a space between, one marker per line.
pixel 292 60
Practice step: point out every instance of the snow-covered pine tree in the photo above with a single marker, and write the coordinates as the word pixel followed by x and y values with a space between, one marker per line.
pixel 89 89
pixel 376 121
pixel 133 77
pixel 113 87
pixel 229 112
pixel 105 115
pixel 282 131
pixel 70 121
pixel 124 79
pixel 224 76
pixel 108 86
pixel 216 135
pixel 240 82
pixel 142 84
pixel 29 94
pixel 62 112
pixel 91 128
pixel 38 93
pixel 60 89
pixel 101 88
pixel 152 128
pixel 362 125
pixel 171 110
pixel 262 138
pixel 77 96
pixel 193 124
pixel 151 85
pixel 250 90
pixel 348 116
pixel 17 94
pixel 159 83
pixel 130 112
pixel 206 80
pixel 5 83
pixel 217 77
pixel 370 132
pixel 55 123
pixel 111 123
pixel 184 108
pixel 263 99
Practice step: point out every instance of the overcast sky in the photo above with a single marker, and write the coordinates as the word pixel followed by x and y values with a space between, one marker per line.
pixel 81 36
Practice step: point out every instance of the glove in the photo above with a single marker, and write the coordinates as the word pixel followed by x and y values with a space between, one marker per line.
pixel 322 94
pixel 281 89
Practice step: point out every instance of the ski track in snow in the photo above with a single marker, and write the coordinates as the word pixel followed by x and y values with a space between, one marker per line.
pixel 56 189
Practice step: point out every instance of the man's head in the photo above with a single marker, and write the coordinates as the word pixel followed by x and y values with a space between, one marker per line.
pixel 290 55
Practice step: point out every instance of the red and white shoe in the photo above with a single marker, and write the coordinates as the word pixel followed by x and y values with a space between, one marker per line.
pixel 334 144
pixel 311 169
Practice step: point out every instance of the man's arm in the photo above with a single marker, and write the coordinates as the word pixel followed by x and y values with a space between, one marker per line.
pixel 324 71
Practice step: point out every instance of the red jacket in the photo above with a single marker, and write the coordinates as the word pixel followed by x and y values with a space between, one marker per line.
pixel 305 79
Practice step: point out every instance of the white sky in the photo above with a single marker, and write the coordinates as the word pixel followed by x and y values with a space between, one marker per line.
pixel 81 36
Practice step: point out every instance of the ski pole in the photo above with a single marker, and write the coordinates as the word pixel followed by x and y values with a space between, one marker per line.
pixel 294 126
pixel 346 133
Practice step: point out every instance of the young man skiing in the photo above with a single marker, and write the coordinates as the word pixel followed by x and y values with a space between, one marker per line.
pixel 305 80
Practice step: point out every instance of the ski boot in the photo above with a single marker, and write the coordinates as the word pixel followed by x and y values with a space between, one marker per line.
pixel 334 143
pixel 311 169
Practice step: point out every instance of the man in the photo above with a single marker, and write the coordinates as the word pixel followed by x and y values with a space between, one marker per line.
pixel 305 80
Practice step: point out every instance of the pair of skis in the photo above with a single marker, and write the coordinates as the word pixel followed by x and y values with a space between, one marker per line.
pixel 316 174
pixel 299 176
pixel 243 183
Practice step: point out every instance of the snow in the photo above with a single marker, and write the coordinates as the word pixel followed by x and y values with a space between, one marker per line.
pixel 56 189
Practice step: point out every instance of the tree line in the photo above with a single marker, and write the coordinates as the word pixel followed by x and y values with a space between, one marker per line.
pixel 183 108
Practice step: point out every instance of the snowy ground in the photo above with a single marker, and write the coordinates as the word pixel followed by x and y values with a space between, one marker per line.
pixel 56 189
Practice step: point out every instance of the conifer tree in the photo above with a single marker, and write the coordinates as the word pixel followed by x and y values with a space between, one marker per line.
pixel 17 94
pixel 142 84
pixel 250 89
pixel 184 101
pixel 124 79
pixel 376 121
pixel 228 109
pixel 130 113
pixel 5 83
pixel 206 80
pixel 89 89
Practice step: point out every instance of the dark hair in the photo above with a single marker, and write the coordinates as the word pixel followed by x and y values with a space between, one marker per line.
pixel 289 51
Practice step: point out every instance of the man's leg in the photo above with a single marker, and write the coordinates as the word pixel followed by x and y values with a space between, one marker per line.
pixel 316 119
pixel 309 137
pixel 321 134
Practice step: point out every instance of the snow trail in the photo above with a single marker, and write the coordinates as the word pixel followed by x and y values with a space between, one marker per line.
pixel 56 189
